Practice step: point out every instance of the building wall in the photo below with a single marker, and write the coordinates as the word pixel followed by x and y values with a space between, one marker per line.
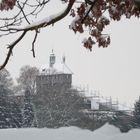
pixel 54 81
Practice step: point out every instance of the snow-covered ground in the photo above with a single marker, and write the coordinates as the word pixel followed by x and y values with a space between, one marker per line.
pixel 107 132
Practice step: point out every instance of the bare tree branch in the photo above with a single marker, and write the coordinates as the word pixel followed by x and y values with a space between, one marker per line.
pixel 92 5
pixel 48 21
pixel 11 46
pixel 35 27
pixel 89 15
pixel 33 43
pixel 21 8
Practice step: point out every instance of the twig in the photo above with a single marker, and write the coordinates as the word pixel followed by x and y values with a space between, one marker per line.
pixel 21 8
pixel 35 28
pixel 92 5
pixel 33 43
pixel 11 46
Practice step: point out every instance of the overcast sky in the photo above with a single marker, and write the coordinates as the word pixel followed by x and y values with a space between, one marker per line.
pixel 114 71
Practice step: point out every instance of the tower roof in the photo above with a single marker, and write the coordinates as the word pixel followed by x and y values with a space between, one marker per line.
pixel 55 68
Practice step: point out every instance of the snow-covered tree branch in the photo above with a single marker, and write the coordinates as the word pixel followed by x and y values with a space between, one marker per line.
pixel 14 24
pixel 20 16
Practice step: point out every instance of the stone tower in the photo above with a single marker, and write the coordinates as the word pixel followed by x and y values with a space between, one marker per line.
pixel 54 76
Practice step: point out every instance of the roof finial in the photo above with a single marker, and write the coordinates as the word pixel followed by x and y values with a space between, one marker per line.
pixel 63 59
pixel 52 59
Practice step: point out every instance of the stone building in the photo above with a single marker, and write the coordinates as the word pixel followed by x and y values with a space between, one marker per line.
pixel 54 76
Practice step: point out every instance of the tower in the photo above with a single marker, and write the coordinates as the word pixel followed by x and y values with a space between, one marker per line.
pixel 63 59
pixel 54 76
pixel 52 59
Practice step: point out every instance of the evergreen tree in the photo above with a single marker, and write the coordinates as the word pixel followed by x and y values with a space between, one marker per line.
pixel 58 108
pixel 136 114
pixel 4 118
pixel 10 114
pixel 122 120
pixel 16 115
pixel 28 113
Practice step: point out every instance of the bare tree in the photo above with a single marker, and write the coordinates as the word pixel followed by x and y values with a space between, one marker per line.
pixel 5 80
pixel 27 78
pixel 87 14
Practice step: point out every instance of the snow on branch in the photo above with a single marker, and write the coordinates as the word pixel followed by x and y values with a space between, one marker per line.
pixel 88 15
pixel 34 27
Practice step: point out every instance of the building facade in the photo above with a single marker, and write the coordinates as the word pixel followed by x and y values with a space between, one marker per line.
pixel 54 76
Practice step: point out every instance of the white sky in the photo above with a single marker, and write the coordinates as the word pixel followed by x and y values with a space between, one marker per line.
pixel 114 71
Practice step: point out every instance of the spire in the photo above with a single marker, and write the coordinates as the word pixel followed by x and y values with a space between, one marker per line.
pixel 52 59
pixel 63 59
